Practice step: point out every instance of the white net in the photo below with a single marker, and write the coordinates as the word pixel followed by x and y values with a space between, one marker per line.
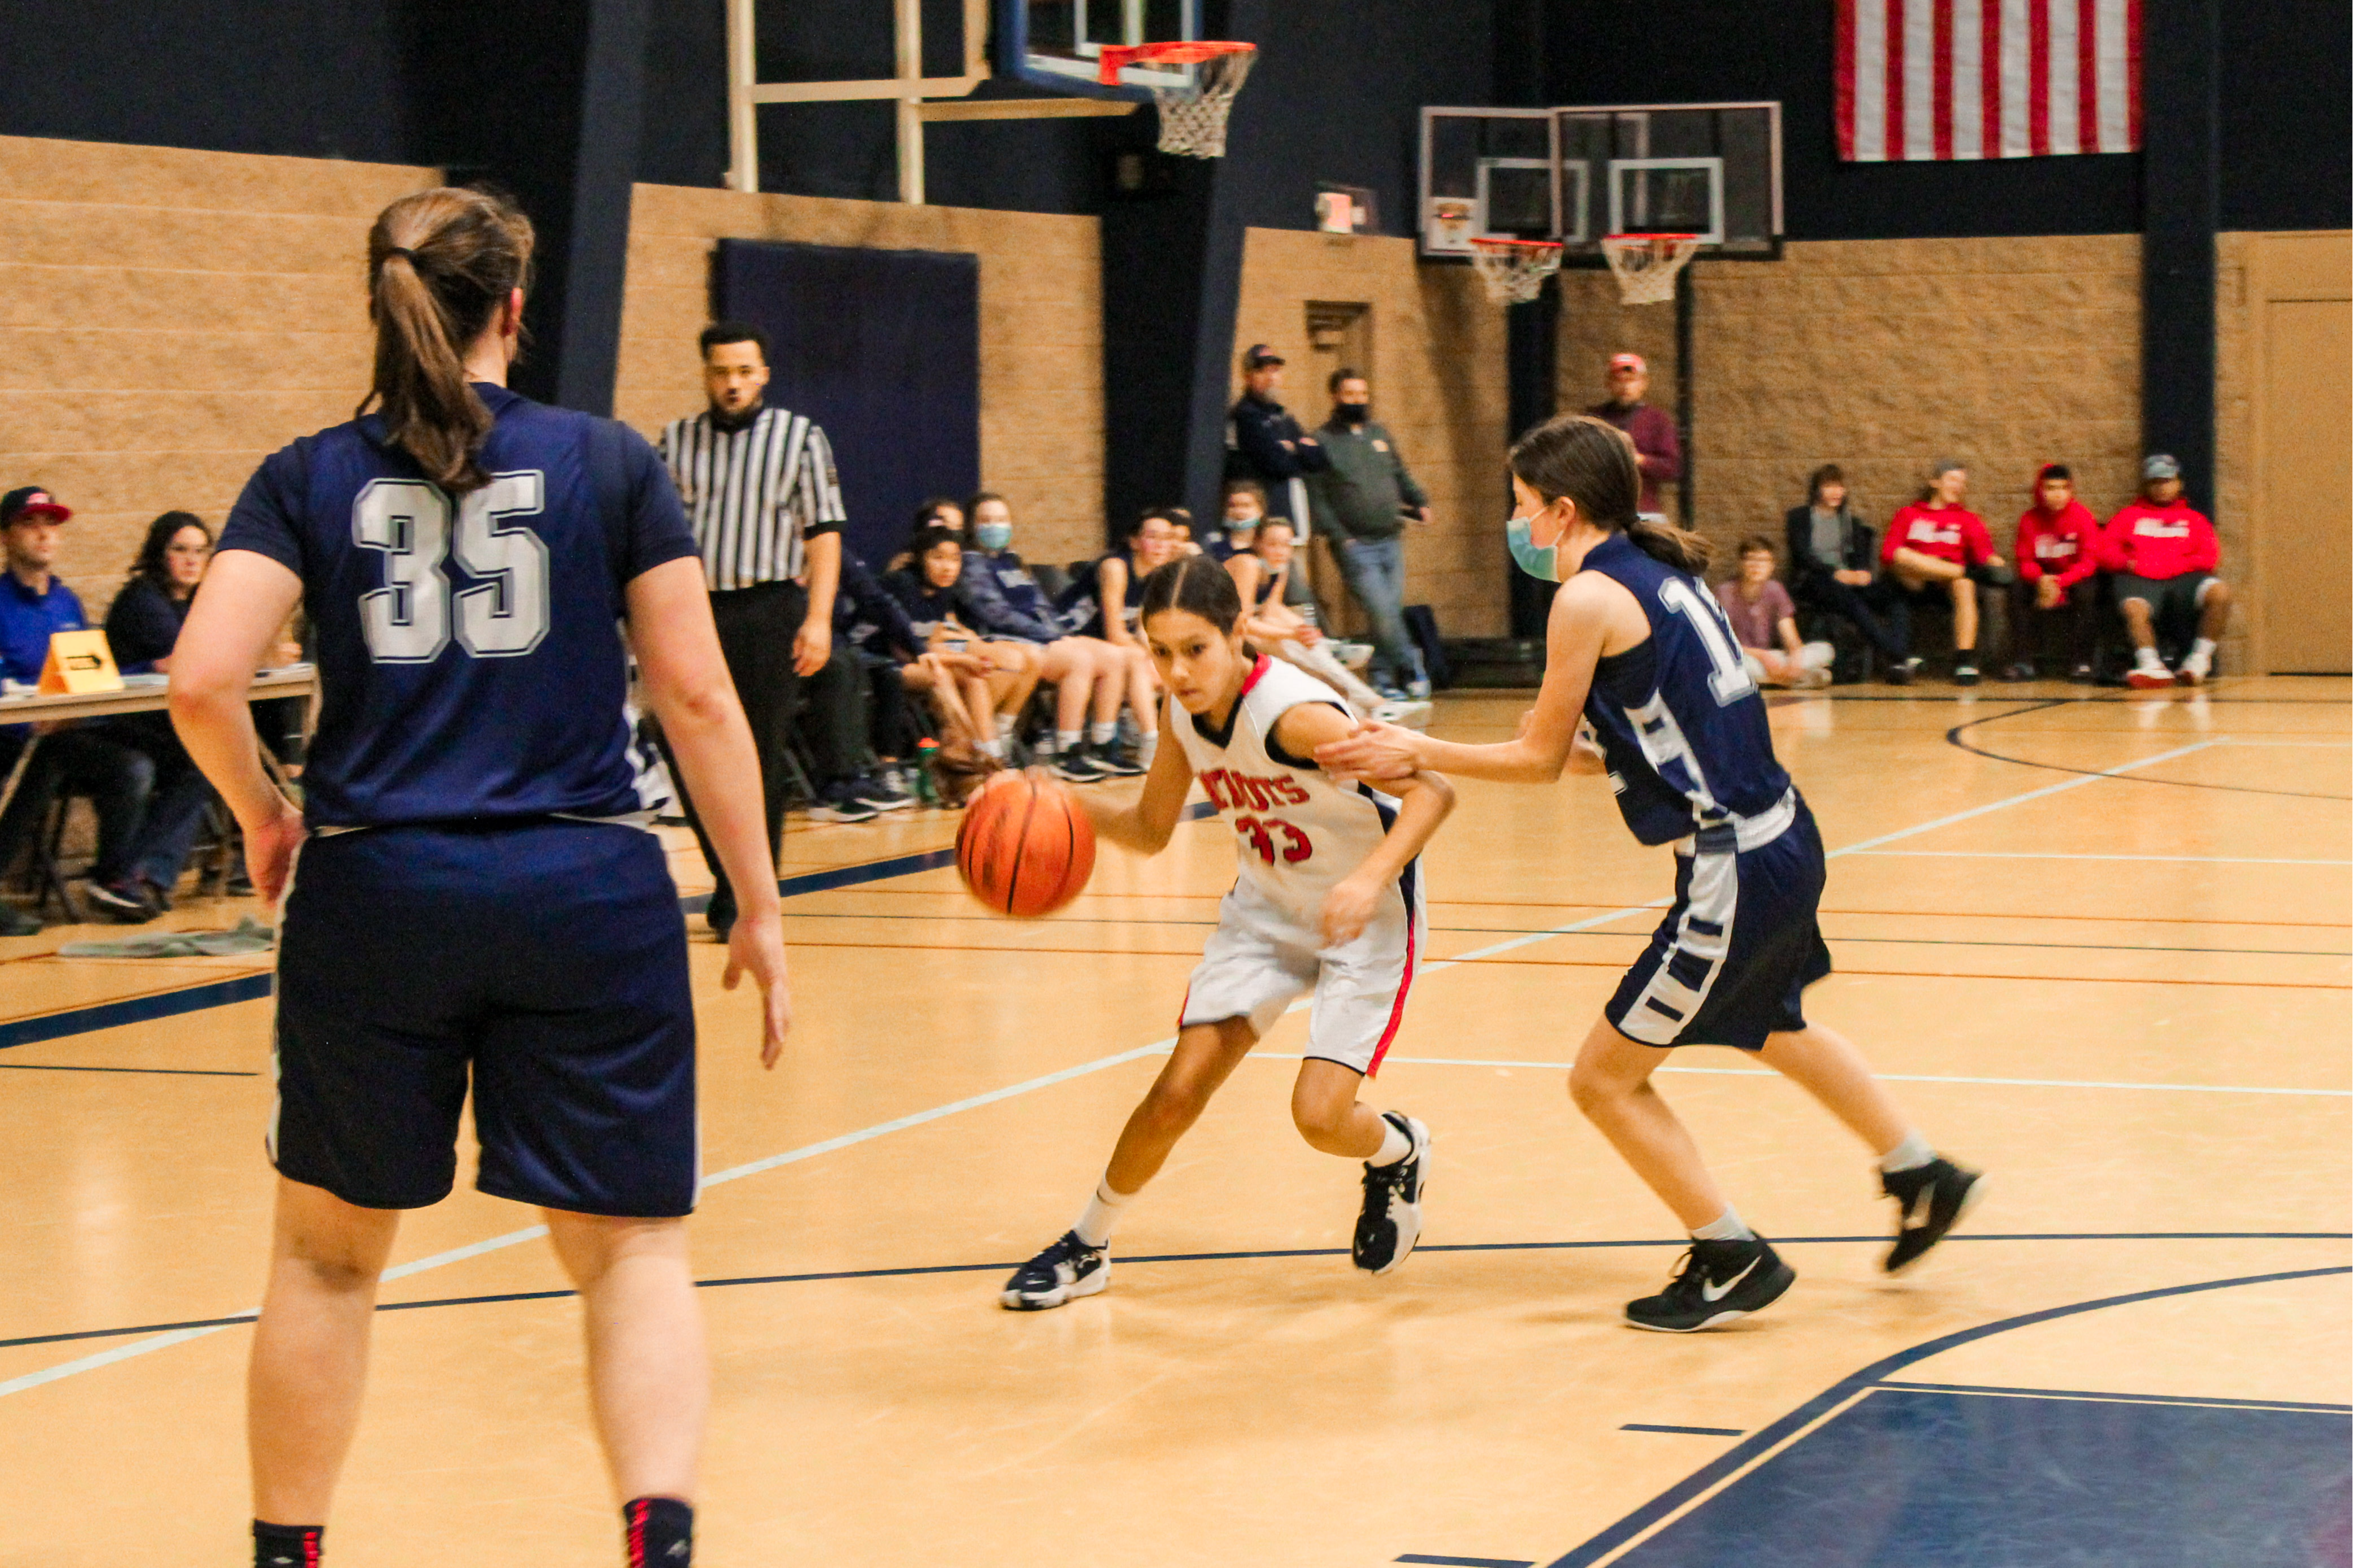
pixel 1647 264
pixel 1514 269
pixel 1193 119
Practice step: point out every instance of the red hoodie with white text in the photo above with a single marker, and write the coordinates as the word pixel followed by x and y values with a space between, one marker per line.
pixel 2159 541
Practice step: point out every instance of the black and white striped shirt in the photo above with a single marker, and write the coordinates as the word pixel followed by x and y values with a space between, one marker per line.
pixel 754 497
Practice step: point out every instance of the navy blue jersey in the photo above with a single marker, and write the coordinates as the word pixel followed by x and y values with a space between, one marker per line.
pixel 470 653
pixel 1008 599
pixel 1680 721
pixel 867 616
pixel 1081 604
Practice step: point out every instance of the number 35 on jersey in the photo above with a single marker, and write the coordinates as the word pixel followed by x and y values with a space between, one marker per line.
pixel 505 611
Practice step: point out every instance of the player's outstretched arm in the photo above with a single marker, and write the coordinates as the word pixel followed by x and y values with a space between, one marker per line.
pixel 1589 610
pixel 688 686
pixel 1145 826
pixel 1424 801
pixel 231 631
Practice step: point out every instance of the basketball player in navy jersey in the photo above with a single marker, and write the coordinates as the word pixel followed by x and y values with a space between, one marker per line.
pixel 479 895
pixel 1639 647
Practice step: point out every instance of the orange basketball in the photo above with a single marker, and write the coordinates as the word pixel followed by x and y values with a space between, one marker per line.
pixel 1024 848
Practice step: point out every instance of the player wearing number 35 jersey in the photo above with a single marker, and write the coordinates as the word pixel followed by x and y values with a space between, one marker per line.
pixel 480 913
pixel 1640 648
pixel 1327 902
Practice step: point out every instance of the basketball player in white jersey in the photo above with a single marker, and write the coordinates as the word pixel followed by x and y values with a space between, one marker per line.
pixel 1328 899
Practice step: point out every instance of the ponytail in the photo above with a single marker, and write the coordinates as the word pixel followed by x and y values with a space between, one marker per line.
pixel 1592 462
pixel 441 266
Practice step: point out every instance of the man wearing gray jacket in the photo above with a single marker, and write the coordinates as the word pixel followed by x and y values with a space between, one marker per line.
pixel 1363 502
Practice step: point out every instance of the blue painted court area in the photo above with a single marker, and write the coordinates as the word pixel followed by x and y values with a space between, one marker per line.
pixel 1948 1478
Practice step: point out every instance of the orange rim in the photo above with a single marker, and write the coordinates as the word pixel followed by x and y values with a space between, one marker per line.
pixel 1117 57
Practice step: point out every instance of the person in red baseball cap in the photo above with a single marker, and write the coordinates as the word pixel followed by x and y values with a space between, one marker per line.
pixel 1657 450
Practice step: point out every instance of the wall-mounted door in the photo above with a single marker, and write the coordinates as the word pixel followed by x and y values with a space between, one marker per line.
pixel 2302 299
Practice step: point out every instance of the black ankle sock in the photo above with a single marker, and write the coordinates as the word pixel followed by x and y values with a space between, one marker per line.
pixel 286 1546
pixel 657 1532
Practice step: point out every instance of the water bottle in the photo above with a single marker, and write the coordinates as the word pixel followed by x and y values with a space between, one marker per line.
pixel 927 791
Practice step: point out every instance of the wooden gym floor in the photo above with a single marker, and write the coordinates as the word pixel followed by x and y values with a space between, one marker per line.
pixel 2099 940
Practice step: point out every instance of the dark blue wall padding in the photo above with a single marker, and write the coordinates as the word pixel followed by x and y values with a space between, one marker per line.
pixel 883 349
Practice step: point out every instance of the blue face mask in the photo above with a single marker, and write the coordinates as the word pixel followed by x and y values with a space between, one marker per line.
pixel 993 536
pixel 1542 562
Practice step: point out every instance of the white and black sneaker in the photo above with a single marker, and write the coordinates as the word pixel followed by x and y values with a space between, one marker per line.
pixel 1116 762
pixel 1934 1196
pixel 1390 1222
pixel 839 802
pixel 1064 1272
pixel 1076 766
pixel 1716 1282
pixel 880 791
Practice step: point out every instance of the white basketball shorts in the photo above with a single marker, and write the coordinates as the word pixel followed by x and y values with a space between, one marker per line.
pixel 1262 958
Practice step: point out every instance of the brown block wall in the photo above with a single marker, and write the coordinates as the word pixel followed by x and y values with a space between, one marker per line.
pixel 167 320
pixel 1882 356
pixel 1438 385
pixel 1041 402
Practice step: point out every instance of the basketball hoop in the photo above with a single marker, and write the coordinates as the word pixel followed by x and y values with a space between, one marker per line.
pixel 1514 269
pixel 1648 264
pixel 1192 116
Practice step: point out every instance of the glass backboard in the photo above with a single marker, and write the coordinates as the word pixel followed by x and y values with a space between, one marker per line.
pixel 1059 44
pixel 1577 173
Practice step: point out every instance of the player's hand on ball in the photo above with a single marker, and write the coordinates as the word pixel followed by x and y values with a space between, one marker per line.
pixel 1346 908
pixel 756 947
pixel 1375 751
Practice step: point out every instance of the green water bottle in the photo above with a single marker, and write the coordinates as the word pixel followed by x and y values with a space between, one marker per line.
pixel 927 791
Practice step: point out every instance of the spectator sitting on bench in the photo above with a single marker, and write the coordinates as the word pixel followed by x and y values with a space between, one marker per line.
pixel 1938 549
pixel 1834 557
pixel 2163 552
pixel 2058 556
pixel 1765 618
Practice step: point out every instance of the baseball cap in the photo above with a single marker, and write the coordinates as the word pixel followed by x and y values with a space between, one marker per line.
pixel 1628 361
pixel 1259 354
pixel 2160 466
pixel 30 501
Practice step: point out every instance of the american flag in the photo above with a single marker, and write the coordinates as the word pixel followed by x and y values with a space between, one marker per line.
pixel 1987 78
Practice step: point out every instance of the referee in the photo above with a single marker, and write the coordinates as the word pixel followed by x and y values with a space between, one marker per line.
pixel 764 501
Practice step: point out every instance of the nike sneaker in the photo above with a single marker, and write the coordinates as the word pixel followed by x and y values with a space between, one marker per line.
pixel 1390 1222
pixel 2148 675
pixel 1064 1272
pixel 1935 1196
pixel 1716 1282
pixel 1076 766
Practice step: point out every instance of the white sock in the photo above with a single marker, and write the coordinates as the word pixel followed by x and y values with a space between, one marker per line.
pixel 993 748
pixel 1102 1211
pixel 1147 747
pixel 1004 725
pixel 1102 734
pixel 1726 1227
pixel 1395 1145
pixel 2147 658
pixel 1067 740
pixel 1908 1155
pixel 2202 648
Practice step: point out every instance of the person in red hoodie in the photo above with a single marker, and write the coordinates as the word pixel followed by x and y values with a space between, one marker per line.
pixel 1936 549
pixel 2163 552
pixel 2058 555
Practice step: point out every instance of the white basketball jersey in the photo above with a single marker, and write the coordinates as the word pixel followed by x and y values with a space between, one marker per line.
pixel 1296 833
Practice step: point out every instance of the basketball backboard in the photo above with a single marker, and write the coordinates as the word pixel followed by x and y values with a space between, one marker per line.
pixel 1059 44
pixel 1577 173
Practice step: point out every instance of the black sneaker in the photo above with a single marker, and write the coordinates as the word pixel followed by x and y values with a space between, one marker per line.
pixel 1076 766
pixel 121 905
pixel 2019 671
pixel 1064 1272
pixel 1390 1222
pixel 1965 674
pixel 1935 1196
pixel 16 922
pixel 839 802
pixel 1901 673
pixel 1116 762
pixel 1716 1282
pixel 879 792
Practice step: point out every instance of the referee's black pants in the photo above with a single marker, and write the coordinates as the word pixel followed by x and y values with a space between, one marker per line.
pixel 756 627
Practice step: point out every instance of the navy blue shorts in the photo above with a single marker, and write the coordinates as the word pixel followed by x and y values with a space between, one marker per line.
pixel 546 960
pixel 1731 962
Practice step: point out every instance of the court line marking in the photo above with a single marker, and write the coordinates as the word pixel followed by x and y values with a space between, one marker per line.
pixel 1728 1467
pixel 1685 1431
pixel 920 1270
pixel 1889 1077
pixel 532 1233
pixel 166 1072
pixel 2060 854
pixel 2112 1398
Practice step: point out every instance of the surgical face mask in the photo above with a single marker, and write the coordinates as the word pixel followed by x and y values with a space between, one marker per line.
pixel 1536 561
pixel 993 536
